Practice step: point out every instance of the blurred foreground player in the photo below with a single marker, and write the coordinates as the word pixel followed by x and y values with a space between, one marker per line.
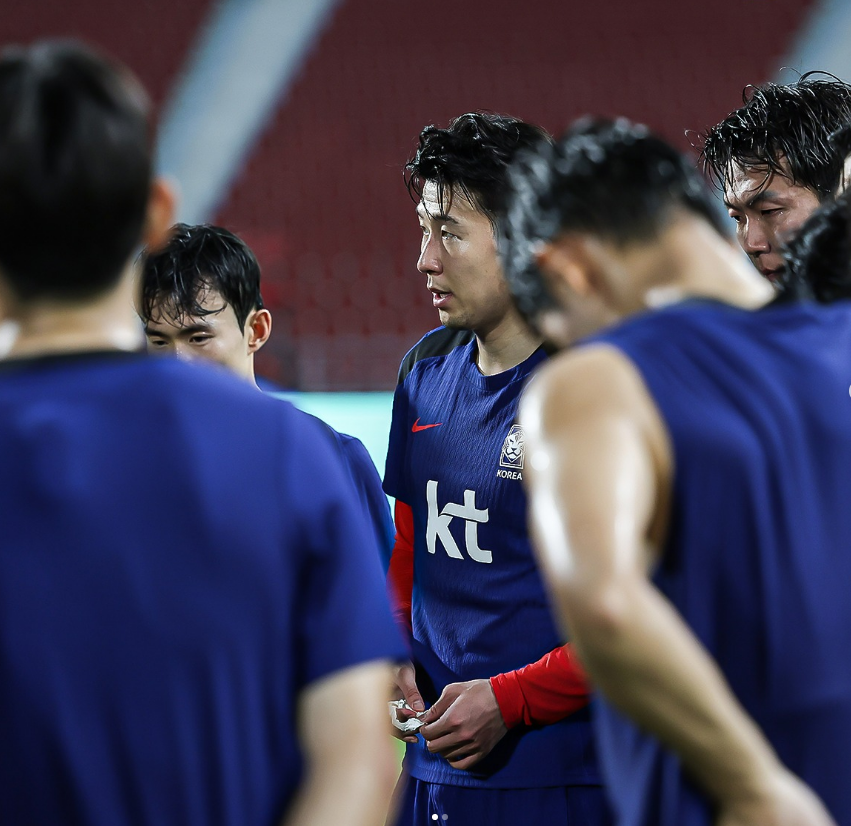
pixel 499 744
pixel 690 473
pixel 776 164
pixel 201 299
pixel 818 258
pixel 191 605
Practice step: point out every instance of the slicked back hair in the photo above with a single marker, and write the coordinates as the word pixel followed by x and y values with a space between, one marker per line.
pixel 611 179
pixel 784 129
pixel 199 258
pixel 75 170
pixel 471 157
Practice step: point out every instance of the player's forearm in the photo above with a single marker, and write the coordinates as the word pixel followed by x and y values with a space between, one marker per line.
pixel 350 764
pixel 355 792
pixel 642 656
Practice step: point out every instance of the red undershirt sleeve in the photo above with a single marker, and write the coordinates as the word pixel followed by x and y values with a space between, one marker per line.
pixel 400 574
pixel 544 692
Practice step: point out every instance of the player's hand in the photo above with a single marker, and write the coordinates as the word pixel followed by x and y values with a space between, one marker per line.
pixel 464 724
pixel 788 802
pixel 406 683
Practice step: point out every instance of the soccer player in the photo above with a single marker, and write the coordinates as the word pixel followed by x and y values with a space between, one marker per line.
pixel 200 298
pixel 500 744
pixel 775 163
pixel 192 611
pixel 689 469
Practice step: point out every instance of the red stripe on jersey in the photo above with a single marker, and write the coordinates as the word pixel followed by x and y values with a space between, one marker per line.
pixel 400 574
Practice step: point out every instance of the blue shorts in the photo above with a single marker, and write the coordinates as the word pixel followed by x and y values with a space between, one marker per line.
pixel 419 803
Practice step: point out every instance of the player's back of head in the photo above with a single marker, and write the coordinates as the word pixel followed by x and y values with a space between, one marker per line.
pixel 471 156
pixel 195 260
pixel 75 170
pixel 612 179
pixel 784 129
pixel 818 258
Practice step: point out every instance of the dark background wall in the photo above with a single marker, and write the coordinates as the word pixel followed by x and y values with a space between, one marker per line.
pixel 320 196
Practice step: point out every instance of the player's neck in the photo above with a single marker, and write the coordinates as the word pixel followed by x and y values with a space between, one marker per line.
pixel 505 345
pixel 108 322
pixel 700 263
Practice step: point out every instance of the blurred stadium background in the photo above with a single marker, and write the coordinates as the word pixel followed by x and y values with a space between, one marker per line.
pixel 289 121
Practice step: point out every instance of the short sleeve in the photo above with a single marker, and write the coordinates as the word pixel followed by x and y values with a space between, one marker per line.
pixel 343 612
pixel 394 469
pixel 368 484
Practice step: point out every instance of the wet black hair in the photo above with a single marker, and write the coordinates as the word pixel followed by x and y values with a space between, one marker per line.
pixel 196 259
pixel 471 156
pixel 75 170
pixel 818 259
pixel 612 179
pixel 784 129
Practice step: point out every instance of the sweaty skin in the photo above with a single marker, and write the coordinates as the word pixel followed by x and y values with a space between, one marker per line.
pixel 599 478
pixel 767 209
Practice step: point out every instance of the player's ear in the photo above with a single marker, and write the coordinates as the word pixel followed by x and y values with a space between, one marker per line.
pixel 259 327
pixel 159 218
pixel 564 262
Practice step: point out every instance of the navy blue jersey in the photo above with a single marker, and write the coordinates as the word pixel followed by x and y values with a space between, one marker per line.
pixel 367 485
pixel 179 557
pixel 758 557
pixel 456 458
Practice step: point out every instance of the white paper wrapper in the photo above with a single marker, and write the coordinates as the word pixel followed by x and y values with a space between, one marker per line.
pixel 413 724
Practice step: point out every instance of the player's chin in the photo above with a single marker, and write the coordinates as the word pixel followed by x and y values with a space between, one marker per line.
pixel 454 321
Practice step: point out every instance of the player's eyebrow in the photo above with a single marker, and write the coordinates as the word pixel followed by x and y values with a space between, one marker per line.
pixel 191 330
pixel 194 328
pixel 766 195
pixel 442 217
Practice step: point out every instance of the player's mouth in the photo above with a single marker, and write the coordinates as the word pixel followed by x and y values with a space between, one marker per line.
pixel 772 275
pixel 439 298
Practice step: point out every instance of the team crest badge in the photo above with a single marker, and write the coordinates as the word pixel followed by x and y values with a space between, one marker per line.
pixel 513 449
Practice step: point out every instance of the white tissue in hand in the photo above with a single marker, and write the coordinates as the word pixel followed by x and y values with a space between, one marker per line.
pixel 404 725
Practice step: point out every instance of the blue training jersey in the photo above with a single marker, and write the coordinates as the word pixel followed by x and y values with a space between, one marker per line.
pixel 179 558
pixel 456 458
pixel 367 484
pixel 758 556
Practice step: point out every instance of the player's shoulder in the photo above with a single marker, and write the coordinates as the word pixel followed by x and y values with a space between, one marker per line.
pixel 596 378
pixel 343 443
pixel 435 344
pixel 220 403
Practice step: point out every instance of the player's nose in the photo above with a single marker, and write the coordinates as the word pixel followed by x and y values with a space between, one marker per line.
pixel 430 259
pixel 754 238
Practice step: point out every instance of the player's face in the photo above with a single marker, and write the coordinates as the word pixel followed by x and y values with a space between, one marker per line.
pixel 767 210
pixel 215 337
pixel 458 254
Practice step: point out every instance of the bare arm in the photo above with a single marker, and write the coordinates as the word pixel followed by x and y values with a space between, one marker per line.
pixel 599 480
pixel 351 766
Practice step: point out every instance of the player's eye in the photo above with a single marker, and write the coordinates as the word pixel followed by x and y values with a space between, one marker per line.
pixel 446 234
pixel 156 342
pixel 772 211
pixel 736 218
pixel 199 339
